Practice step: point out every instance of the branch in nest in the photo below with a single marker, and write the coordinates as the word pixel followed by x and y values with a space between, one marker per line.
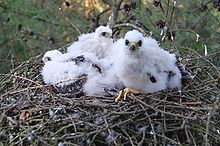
pixel 131 25
pixel 115 6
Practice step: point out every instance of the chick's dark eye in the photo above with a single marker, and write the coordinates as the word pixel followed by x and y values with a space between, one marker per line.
pixel 48 58
pixel 139 43
pixel 103 33
pixel 126 42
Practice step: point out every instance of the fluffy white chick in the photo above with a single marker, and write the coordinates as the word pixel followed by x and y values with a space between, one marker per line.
pixel 51 55
pixel 102 84
pixel 81 74
pixel 58 70
pixel 142 65
pixel 163 61
pixel 56 55
pixel 98 43
pixel 131 67
pixel 59 73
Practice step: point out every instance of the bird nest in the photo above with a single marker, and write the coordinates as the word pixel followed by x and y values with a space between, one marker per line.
pixel 33 114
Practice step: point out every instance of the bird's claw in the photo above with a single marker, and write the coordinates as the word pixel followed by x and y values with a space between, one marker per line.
pixel 125 92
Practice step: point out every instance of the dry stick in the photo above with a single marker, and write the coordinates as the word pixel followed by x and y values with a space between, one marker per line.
pixel 152 126
pixel 90 133
pixel 192 138
pixel 74 124
pixel 115 6
pixel 186 132
pixel 109 131
pixel 64 127
pixel 168 113
pixel 197 39
pixel 215 67
pixel 207 127
pixel 23 63
pixel 130 25
pixel 142 140
pixel 25 89
pixel 181 104
pixel 173 141
pixel 67 19
pixel 161 7
pixel 172 12
pixel 40 139
pixel 164 122
pixel 93 138
pixel 194 25
pixel 168 7
pixel 97 17
pixel 166 22
pixel 129 137
pixel 128 113
pixel 22 78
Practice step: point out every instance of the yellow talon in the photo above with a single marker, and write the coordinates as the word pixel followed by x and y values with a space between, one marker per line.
pixel 129 90
pixel 119 96
pixel 125 92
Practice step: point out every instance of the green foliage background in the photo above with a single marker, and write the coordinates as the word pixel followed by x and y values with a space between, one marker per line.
pixel 31 27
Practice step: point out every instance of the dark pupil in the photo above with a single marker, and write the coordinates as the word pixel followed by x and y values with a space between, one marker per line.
pixel 49 59
pixel 126 42
pixel 103 33
pixel 139 43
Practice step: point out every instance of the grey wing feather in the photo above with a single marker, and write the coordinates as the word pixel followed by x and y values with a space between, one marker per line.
pixel 75 88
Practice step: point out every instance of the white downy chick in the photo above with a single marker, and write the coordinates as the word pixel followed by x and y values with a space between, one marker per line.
pixel 59 73
pixel 163 61
pixel 80 74
pixel 97 43
pixel 141 64
pixel 51 55
pixel 100 84
pixel 56 55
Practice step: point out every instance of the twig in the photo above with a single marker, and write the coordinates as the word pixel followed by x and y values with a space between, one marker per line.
pixel 20 77
pixel 168 113
pixel 115 6
pixel 130 25
pixel 207 127
pixel 197 22
pixel 24 89
pixel 67 19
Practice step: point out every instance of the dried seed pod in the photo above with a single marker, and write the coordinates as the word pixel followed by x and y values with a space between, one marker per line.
pixel 24 38
pixel 160 24
pixel 156 3
pixel 51 40
pixel 216 4
pixel 133 5
pixel 67 3
pixel 31 33
pixel 8 19
pixel 126 7
pixel 19 27
pixel 138 23
pixel 171 35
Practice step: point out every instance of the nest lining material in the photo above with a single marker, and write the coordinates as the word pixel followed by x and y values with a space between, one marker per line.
pixel 33 114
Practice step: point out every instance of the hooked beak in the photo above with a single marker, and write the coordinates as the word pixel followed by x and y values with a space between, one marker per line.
pixel 133 46
pixel 108 35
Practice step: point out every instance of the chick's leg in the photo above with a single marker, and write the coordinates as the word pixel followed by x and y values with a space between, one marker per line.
pixel 125 92
pixel 119 96
pixel 129 90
